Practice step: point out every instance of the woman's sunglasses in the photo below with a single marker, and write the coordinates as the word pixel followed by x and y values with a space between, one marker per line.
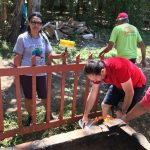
pixel 36 22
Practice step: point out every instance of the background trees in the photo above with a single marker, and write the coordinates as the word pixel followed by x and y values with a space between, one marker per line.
pixel 94 12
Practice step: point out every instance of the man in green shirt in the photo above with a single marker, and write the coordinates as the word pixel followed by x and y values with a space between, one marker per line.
pixel 125 38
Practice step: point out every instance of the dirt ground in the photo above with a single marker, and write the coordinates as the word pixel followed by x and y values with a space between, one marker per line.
pixel 141 124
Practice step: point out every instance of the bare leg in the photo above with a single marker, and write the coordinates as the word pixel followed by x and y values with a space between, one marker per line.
pixel 44 103
pixel 106 109
pixel 136 111
pixel 28 105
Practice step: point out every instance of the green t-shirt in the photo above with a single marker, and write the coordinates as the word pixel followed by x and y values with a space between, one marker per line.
pixel 125 37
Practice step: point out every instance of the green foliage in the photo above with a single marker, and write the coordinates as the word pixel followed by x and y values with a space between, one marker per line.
pixel 145 36
pixel 11 122
pixel 96 12
pixel 132 7
pixel 65 128
pixel 72 8
pixel 5 49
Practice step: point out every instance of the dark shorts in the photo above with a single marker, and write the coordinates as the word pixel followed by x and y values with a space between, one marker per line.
pixel 115 95
pixel 133 60
pixel 41 86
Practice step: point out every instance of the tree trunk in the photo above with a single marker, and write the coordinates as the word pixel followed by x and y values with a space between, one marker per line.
pixel 3 11
pixel 100 6
pixel 33 5
pixel 80 6
pixel 51 5
pixel 3 18
pixel 16 21
pixel 62 6
pixel 29 7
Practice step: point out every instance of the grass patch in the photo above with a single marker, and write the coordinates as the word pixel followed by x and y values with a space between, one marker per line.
pixel 11 122
pixel 6 50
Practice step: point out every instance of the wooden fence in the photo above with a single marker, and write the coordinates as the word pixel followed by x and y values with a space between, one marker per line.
pixel 62 69
pixel 48 69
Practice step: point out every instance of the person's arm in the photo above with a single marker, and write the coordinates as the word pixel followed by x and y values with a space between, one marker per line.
pixel 54 55
pixel 19 49
pixel 90 101
pixel 143 53
pixel 138 110
pixel 106 49
pixel 17 60
pixel 129 93
pixel 48 54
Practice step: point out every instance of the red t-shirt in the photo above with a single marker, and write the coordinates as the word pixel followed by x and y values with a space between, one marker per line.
pixel 119 70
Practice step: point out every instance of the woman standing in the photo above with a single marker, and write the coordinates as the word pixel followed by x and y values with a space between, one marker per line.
pixel 33 43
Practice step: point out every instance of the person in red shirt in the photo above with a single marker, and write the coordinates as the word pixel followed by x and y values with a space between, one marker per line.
pixel 139 109
pixel 126 79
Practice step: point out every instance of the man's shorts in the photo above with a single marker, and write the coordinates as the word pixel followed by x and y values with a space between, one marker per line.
pixel 115 95
pixel 133 60
pixel 146 99
pixel 41 86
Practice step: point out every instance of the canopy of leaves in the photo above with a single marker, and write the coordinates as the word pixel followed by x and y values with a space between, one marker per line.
pixel 94 12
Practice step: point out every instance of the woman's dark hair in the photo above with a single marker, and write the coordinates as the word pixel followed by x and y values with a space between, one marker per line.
pixel 93 67
pixel 38 14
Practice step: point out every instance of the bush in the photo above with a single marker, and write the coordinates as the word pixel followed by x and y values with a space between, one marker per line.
pixel 5 49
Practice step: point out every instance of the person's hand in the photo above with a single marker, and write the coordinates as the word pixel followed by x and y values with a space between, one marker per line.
pixel 124 118
pixel 143 63
pixel 12 65
pixel 119 114
pixel 85 120
pixel 101 55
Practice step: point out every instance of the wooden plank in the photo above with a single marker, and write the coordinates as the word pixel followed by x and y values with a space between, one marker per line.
pixel 62 96
pixel 33 98
pixel 75 88
pixel 48 101
pixel 18 98
pixel 41 126
pixel 1 111
pixel 40 69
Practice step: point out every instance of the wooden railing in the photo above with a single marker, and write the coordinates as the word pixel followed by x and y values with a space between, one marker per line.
pixel 48 69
